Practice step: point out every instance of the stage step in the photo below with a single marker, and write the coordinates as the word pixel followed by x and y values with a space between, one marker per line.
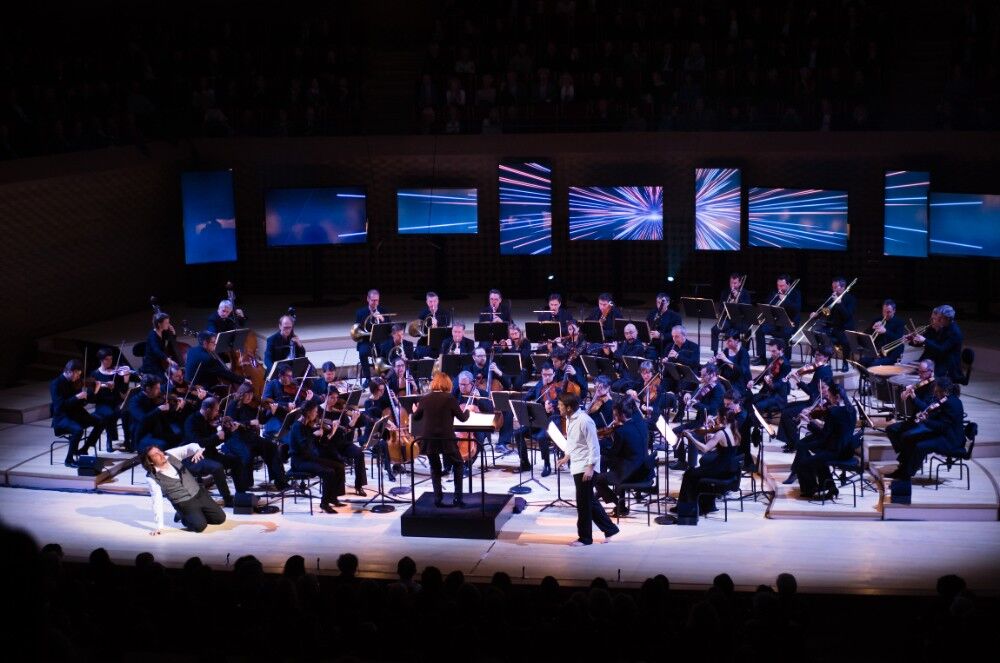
pixel 25 403
pixel 950 501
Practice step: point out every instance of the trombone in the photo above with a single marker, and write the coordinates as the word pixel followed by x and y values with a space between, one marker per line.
pixel 777 300
pixel 731 300
pixel 824 310
pixel 905 338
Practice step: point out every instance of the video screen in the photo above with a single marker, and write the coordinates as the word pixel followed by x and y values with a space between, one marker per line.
pixel 437 211
pixel 905 215
pixel 209 216
pixel 717 209
pixel 798 219
pixel 965 224
pixel 306 217
pixel 525 208
pixel 616 212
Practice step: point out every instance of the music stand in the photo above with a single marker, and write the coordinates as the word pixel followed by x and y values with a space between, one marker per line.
pixel 382 507
pixel 436 338
pixel 287 423
pixel 233 339
pixel 669 441
pixel 741 316
pixel 300 365
pixel 538 361
pixel 599 366
pixel 453 364
pixel 509 363
pixel 381 333
pixel 641 326
pixel 501 403
pixel 420 369
pixel 592 331
pixel 680 373
pixel 531 416
pixel 559 441
pixel 633 364
pixel 542 332
pixel 696 307
pixel 862 344
pixel 489 332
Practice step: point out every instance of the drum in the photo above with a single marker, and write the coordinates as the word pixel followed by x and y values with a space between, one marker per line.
pixel 897 383
pixel 891 370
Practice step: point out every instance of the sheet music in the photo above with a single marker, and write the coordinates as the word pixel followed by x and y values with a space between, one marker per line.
pixel 480 421
pixel 665 430
pixel 558 437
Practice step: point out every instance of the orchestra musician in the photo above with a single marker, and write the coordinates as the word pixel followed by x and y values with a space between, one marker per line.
pixel 375 406
pixel 630 347
pixel 889 328
pixel 205 366
pixel 567 370
pixel 438 410
pixel 190 397
pixel 601 408
pixel 606 313
pixel 281 396
pixel 720 460
pixel 706 402
pixel 736 294
pixel 556 312
pixel 396 345
pixel 438 318
pixel 69 414
pixel 364 344
pixel 661 320
pixel 681 351
pixel 497 310
pixel 200 428
pixel 546 390
pixel 515 343
pixel 483 374
pixel 774 388
pixel 788 427
pixel 400 380
pixel 148 414
pixel 942 430
pixel 942 343
pixel 168 475
pixel 337 443
pixel 457 344
pixel 921 394
pixel 327 381
pixel 626 459
pixel 833 441
pixel 841 316
pixel 652 399
pixel 106 390
pixel 226 318
pixel 469 396
pixel 283 344
pixel 159 353
pixel 584 453
pixel 305 457
pixel 791 301
pixel 242 410
pixel 733 361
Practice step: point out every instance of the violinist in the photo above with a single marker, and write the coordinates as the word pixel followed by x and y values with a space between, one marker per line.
pixel 734 361
pixel 438 410
pixel 159 353
pixel 720 459
pixel 706 402
pixel 483 373
pixel 652 399
pixel 942 430
pixel 682 351
pixel 149 414
pixel 376 405
pixel 887 329
pixel 69 414
pixel 226 318
pixel 205 366
pixel 327 381
pixel 832 442
pixel 791 301
pixel 736 294
pixel 470 397
pixel 190 398
pixel 247 441
pixel 788 427
pixel 283 344
pixel 337 442
pixel 841 317
pixel 942 343
pixel 281 396
pixel 921 393
pixel 515 343
pixel 556 312
pixel 396 346
pixel 606 313
pixel 774 388
pixel 661 320
pixel 732 403
pixel 105 390
pixel 457 344
pixel 600 408
pixel 627 459
pixel 546 391
pixel 305 457
pixel 568 372
pixel 201 428
pixel 496 311
pixel 630 347
pixel 438 318
pixel 370 313
pixel 400 380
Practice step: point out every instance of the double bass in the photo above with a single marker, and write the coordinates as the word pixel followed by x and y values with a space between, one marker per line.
pixel 401 444
pixel 245 361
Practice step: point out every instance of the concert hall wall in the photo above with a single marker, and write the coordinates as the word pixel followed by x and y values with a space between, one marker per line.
pixel 92 235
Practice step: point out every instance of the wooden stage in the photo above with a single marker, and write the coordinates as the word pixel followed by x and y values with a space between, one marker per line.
pixel 874 547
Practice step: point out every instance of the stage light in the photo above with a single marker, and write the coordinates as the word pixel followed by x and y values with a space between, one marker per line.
pixel 552 277
pixel 670 279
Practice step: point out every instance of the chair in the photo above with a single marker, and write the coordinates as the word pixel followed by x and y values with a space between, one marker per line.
pixel 649 485
pixel 719 488
pixel 63 435
pixel 300 484
pixel 852 470
pixel 968 358
pixel 956 458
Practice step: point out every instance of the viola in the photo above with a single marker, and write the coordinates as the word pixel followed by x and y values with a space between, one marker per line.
pixel 609 429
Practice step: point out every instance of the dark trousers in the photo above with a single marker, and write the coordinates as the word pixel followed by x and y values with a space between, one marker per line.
pixel 689 486
pixel 233 462
pixel 769 401
pixel 352 454
pixel 207 466
pixel 271 452
pixel 788 427
pixel 436 471
pixel 589 511
pixel 624 473
pixel 365 357
pixel 74 427
pixel 909 429
pixel 199 512
pixel 813 470
pixel 916 444
pixel 331 476
pixel 109 415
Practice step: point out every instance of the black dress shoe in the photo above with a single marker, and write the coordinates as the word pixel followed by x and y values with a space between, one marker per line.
pixel 547 470
pixel 458 503
pixel 524 467
pixel 360 492
pixel 71 463
pixel 338 503
pixel 390 476
pixel 227 502
pixel 790 480
pixel 177 516
pixel 325 506
pixel 678 465
pixel 788 449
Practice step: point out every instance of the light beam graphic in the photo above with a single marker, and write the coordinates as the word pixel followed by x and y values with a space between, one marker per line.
pixel 717 209
pixel 965 224
pixel 798 219
pixel 437 211
pixel 525 208
pixel 621 212
pixel 905 217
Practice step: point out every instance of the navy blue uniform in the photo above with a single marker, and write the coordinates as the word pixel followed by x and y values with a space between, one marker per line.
pixel 278 348
pixel 609 322
pixel 305 457
pixel 793 307
pixel 788 427
pixel 944 348
pixel 69 415
pixel 207 370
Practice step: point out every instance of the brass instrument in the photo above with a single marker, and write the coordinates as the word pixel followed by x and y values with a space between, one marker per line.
pixel 732 299
pixel 823 310
pixel 363 331
pixel 397 352
pixel 420 328
pixel 881 323
pixel 905 338
pixel 777 300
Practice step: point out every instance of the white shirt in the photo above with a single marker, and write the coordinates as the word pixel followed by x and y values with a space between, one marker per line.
pixel 155 493
pixel 581 440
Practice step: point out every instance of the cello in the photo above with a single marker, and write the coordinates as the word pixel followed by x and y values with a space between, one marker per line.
pixel 244 361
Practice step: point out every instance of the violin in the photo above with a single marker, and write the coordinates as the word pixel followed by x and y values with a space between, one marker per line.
pixel 609 429
pixel 597 404
pixel 923 414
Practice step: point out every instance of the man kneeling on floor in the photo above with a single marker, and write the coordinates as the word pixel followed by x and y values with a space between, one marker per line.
pixel 168 477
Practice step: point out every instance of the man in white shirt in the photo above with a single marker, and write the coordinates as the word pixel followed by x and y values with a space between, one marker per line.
pixel 167 477
pixel 584 452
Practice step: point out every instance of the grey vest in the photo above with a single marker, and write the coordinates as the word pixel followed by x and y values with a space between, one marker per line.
pixel 177 490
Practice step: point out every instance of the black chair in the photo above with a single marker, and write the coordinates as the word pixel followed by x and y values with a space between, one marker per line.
pixel 62 437
pixel 649 486
pixel 719 489
pixel 300 484
pixel 968 358
pixel 851 471
pixel 956 458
